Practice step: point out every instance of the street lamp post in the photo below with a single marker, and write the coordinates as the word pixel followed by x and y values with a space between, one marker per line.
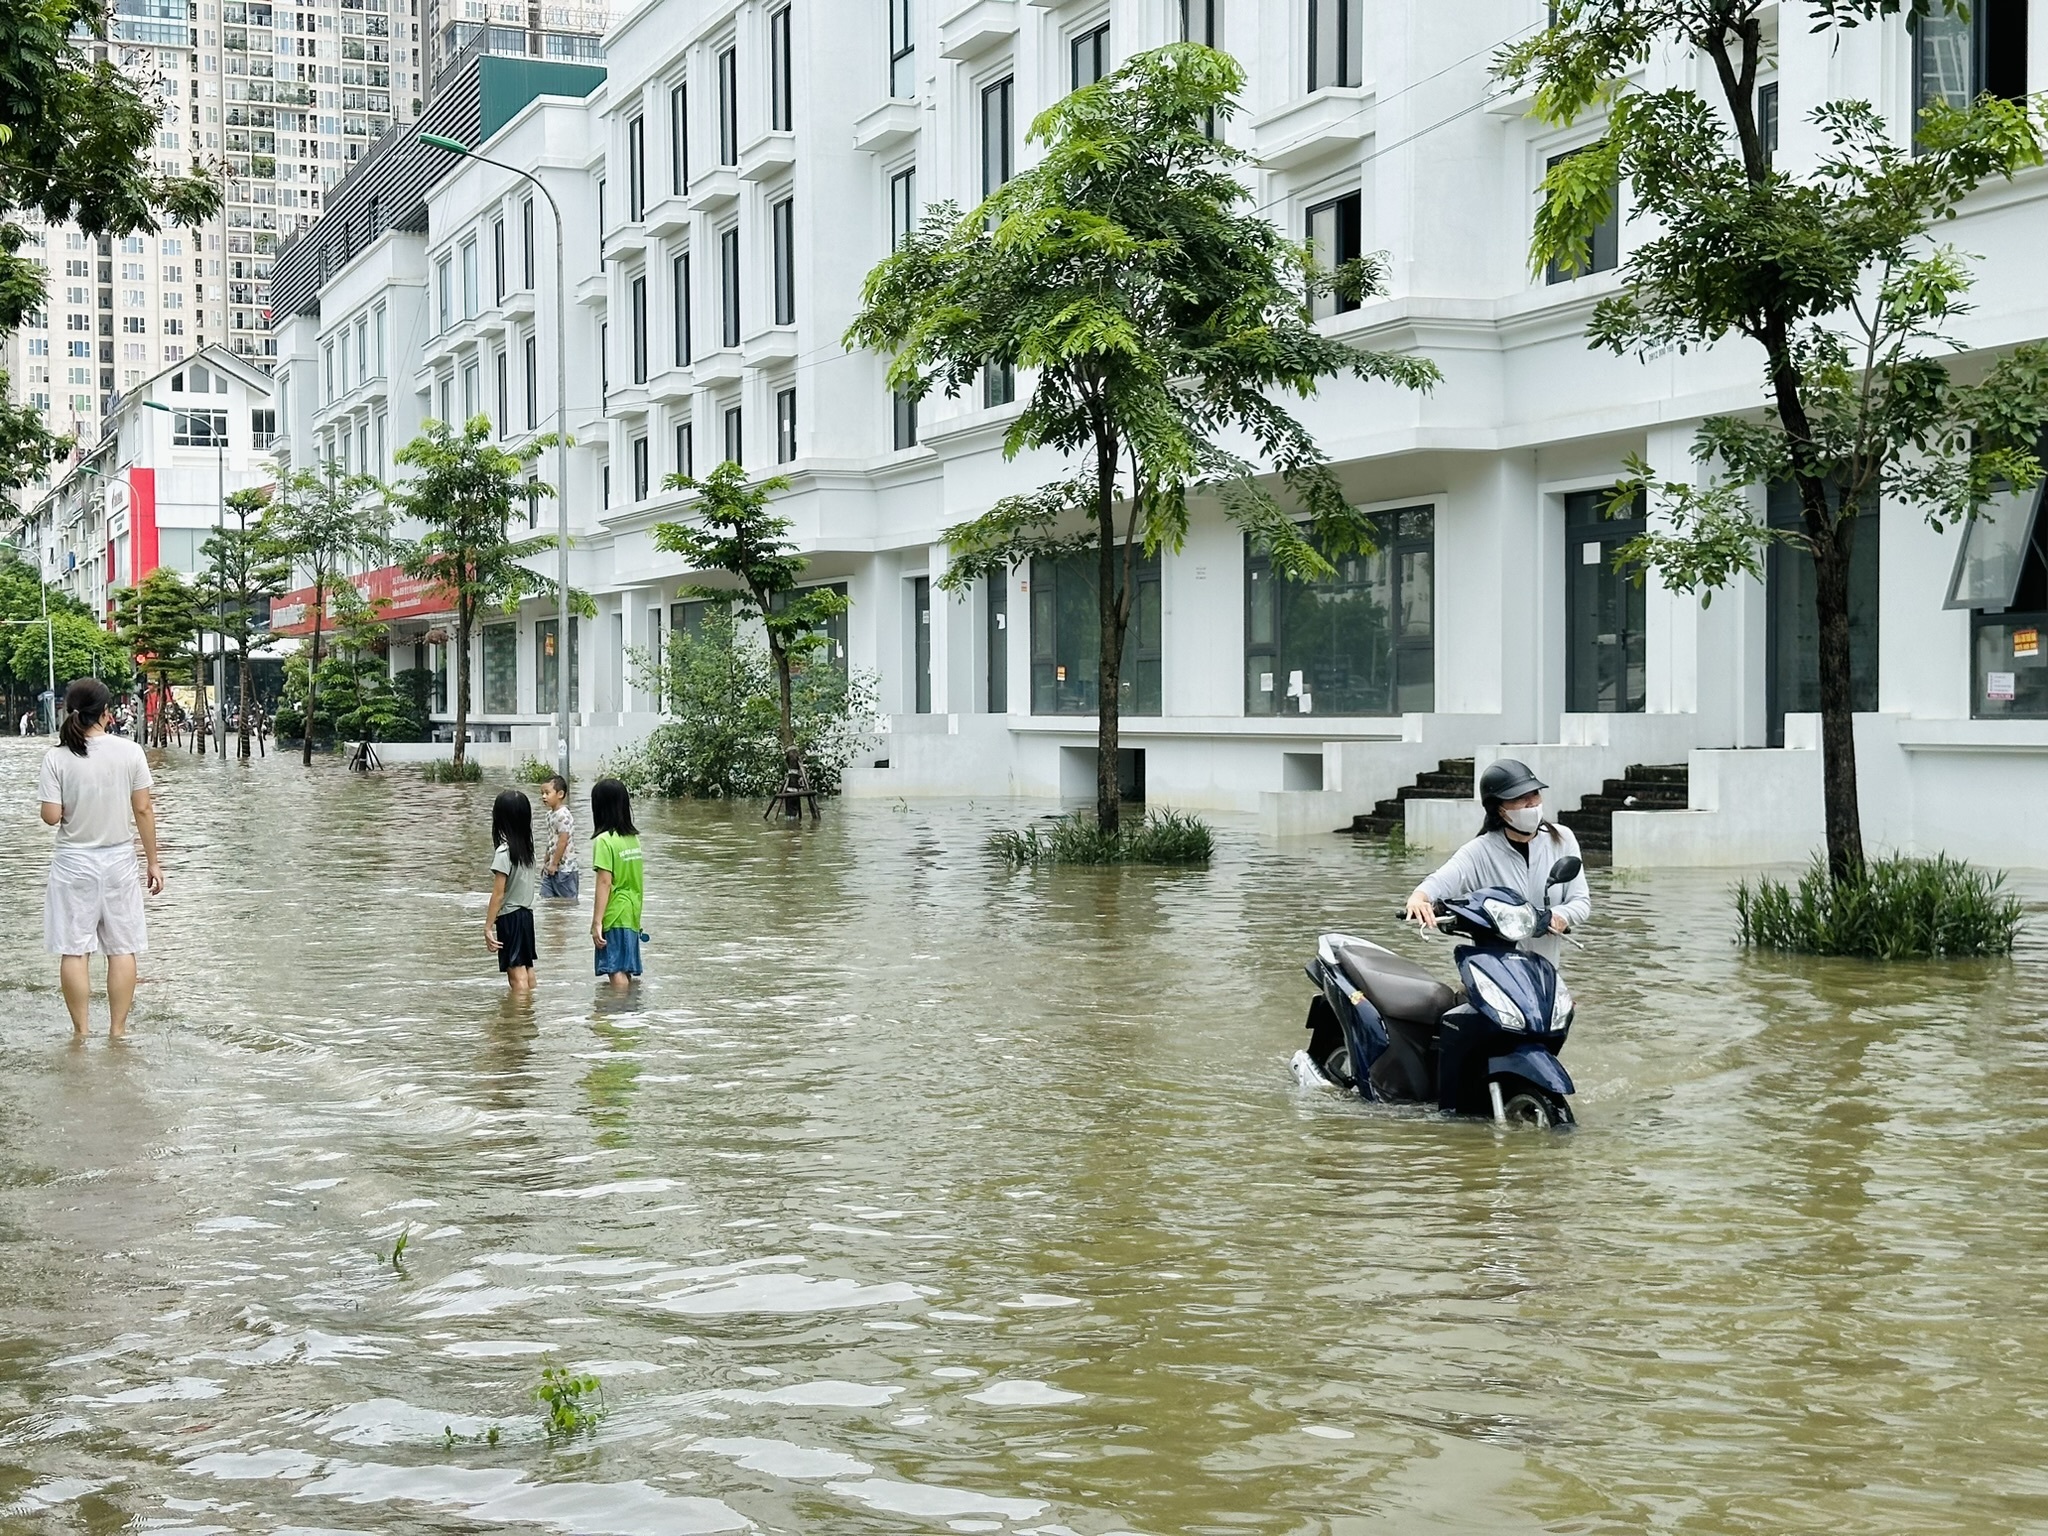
pixel 563 651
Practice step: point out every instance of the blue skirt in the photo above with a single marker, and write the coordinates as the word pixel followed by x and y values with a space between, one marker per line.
pixel 621 952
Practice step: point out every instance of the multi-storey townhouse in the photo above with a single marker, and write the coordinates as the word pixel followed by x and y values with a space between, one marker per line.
pixel 748 161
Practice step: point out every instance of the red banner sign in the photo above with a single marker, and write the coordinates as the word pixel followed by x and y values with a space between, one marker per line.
pixel 401 597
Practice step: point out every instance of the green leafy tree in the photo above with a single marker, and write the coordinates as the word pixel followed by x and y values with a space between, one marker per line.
pixel 328 525
pixel 464 489
pixel 157 621
pixel 24 599
pixel 734 532
pixel 1829 271
pixel 246 571
pixel 1161 318
pixel 75 142
pixel 81 646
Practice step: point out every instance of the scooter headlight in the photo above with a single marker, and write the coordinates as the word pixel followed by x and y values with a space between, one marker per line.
pixel 1497 1002
pixel 1561 1009
pixel 1512 919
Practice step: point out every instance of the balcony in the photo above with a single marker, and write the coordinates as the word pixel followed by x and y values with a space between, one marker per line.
pixel 518 305
pixel 594 289
pixel 715 189
pixel 672 383
pixel 720 367
pixel 769 156
pixel 670 216
pixel 773 346
pixel 888 128
pixel 975 29
pixel 1331 122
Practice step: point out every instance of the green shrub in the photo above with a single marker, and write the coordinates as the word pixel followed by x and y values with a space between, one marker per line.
pixel 722 741
pixel 1895 909
pixel 1162 837
pixel 533 771
pixel 469 771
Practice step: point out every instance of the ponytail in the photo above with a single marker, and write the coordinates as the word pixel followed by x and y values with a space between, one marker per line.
pixel 86 703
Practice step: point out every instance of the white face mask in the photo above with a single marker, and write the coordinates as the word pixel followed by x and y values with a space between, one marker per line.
pixel 1524 819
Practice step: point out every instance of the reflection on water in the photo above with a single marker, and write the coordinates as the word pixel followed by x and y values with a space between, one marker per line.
pixel 908 1193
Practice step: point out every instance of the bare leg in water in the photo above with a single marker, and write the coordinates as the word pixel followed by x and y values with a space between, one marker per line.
pixel 76 975
pixel 120 992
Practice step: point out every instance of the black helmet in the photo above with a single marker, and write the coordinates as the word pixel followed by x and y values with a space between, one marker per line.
pixel 1507 780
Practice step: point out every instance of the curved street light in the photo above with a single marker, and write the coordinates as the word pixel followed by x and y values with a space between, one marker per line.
pixel 564 652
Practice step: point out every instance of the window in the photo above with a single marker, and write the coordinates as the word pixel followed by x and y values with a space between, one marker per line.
pixel 548 667
pixel 904 410
pixel 1335 237
pixel 902 207
pixel 604 359
pixel 1957 60
pixel 526 242
pixel 997 104
pixel 503 419
pixel 447 403
pixel 362 348
pixel 902 51
pixel 1359 642
pixel 198 429
pixel 444 292
pixel 472 400
pixel 326 366
pixel 602 223
pixel 642 476
pixel 1606 612
pixel 832 631
pixel 638 291
pixel 679 140
pixel 729 286
pixel 262 428
pixel 636 169
pixel 1792 621
pixel 1336 43
pixel 998 385
pixel 1066 638
pixel 782 219
pixel 781 83
pixel 497 261
pixel 734 446
pixel 998 643
pixel 1601 253
pixel 785 426
pixel 532 358
pixel 921 641
pixel 679 303
pixel 1089 54
pixel 501 669
pixel 686 450
pixel 469 280
pixel 1767 119
pixel 729 107
pixel 377 336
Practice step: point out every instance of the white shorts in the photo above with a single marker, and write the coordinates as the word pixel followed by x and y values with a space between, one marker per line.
pixel 95 903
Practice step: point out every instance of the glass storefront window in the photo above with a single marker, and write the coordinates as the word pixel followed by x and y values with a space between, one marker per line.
pixel 1606 610
pixel 546 656
pixel 1361 642
pixel 501 669
pixel 1066 639
pixel 1792 619
pixel 2009 667
pixel 834 629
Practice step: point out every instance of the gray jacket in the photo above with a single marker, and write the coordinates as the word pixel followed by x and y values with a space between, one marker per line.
pixel 1490 859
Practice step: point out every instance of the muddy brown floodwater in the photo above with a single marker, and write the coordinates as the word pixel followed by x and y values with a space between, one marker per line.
pixel 911 1194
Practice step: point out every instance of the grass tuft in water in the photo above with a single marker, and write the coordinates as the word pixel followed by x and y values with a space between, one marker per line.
pixel 1895 909
pixel 469 771
pixel 1162 837
pixel 571 1403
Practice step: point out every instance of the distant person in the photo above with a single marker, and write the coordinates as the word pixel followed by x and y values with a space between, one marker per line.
pixel 508 925
pixel 95 792
pixel 27 717
pixel 559 875
pixel 615 856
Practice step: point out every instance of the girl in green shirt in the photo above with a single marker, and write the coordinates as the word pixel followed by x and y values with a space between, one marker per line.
pixel 615 857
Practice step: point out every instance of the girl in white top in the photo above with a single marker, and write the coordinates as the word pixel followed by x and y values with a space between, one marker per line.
pixel 95 791
pixel 1515 848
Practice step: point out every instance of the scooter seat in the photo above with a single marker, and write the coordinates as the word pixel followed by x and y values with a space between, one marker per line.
pixel 1397 986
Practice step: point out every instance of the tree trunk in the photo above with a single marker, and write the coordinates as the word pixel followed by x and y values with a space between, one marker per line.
pixel 198 699
pixel 462 685
pixel 1109 681
pixel 242 699
pixel 791 759
pixel 312 677
pixel 1841 810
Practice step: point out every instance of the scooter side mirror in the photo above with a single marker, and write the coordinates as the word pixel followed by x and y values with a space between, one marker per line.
pixel 1566 870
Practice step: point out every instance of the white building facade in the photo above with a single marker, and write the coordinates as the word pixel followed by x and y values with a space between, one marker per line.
pixel 744 163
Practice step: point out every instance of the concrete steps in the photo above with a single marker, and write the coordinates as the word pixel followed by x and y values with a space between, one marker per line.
pixel 1642 787
pixel 1451 779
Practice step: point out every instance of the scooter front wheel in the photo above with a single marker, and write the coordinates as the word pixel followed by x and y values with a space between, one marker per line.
pixel 1519 1104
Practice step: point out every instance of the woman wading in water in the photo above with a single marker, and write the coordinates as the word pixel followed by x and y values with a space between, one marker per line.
pixel 95 791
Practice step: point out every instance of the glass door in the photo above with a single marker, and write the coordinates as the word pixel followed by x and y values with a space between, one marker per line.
pixel 1605 610
pixel 921 605
pixel 1792 620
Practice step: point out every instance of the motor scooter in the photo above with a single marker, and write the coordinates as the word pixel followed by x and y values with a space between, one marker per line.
pixel 1385 1028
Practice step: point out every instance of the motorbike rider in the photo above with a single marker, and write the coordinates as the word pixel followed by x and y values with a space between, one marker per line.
pixel 1515 848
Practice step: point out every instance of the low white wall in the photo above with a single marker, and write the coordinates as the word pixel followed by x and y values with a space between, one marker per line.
pixel 1442 823
pixel 1592 749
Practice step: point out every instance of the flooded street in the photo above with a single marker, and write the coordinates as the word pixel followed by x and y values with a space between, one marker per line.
pixel 909 1193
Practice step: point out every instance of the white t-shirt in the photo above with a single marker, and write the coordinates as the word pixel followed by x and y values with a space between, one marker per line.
pixel 94 790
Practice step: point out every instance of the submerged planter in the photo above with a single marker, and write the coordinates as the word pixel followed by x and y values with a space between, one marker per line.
pixel 1162 837
pixel 1893 909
